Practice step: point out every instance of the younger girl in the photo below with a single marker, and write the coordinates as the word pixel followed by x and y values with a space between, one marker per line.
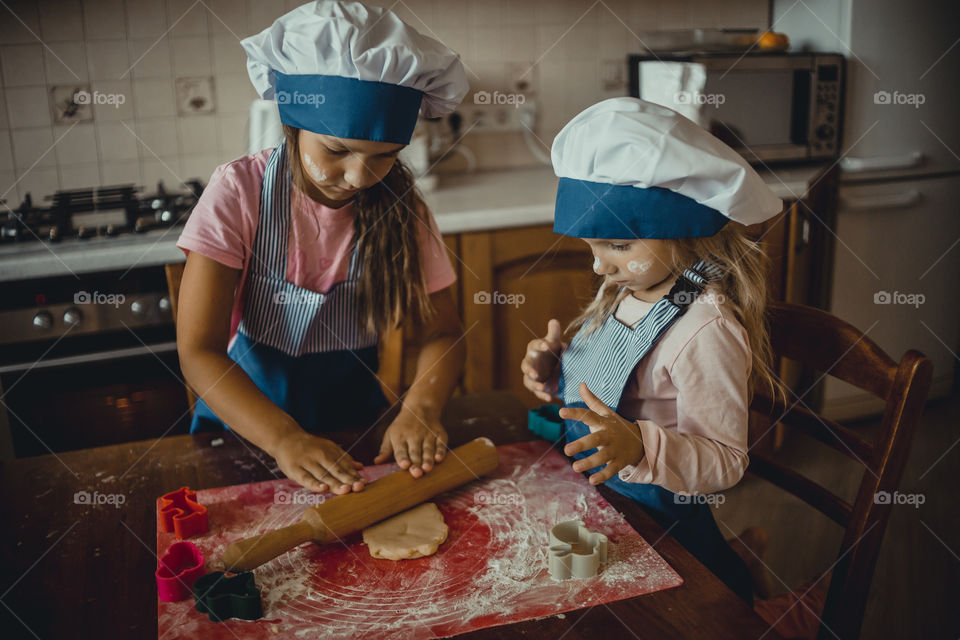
pixel 657 379
pixel 299 256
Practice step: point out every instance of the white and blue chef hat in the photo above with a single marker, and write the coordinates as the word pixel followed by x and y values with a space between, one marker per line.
pixel 352 71
pixel 633 169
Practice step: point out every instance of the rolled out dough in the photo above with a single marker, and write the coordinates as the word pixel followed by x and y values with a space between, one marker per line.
pixel 412 534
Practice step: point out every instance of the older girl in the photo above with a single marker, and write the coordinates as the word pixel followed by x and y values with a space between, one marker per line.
pixel 299 257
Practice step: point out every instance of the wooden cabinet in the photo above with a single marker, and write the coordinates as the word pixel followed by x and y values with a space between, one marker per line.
pixel 509 283
pixel 514 281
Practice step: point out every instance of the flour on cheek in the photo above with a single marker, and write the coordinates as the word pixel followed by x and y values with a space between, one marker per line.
pixel 315 171
pixel 596 265
pixel 639 267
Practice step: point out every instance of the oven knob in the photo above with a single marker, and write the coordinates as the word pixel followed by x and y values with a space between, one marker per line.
pixel 138 307
pixel 43 320
pixel 72 317
pixel 824 131
pixel 164 304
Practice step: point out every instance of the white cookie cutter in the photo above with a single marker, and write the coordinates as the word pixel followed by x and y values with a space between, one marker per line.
pixel 575 551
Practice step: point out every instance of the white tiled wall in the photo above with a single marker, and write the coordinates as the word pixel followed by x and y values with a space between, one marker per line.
pixel 137 48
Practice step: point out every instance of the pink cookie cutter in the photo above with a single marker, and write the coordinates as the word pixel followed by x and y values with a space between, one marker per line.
pixel 178 569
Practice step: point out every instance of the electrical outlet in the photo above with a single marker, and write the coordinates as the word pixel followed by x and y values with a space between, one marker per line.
pixel 195 95
pixel 71 103
pixel 523 77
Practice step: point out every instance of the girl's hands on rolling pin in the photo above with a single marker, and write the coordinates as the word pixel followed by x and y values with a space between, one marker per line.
pixel 317 463
pixel 617 440
pixel 541 373
pixel 416 439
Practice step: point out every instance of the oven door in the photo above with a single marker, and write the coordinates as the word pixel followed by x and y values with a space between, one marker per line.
pixel 91 400
pixel 762 106
pixel 81 368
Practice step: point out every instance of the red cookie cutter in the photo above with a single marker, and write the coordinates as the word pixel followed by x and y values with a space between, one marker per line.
pixel 178 569
pixel 181 513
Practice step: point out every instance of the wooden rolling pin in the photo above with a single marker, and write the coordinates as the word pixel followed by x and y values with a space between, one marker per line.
pixel 338 517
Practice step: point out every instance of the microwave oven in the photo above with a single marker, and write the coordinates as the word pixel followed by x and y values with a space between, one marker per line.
pixel 769 107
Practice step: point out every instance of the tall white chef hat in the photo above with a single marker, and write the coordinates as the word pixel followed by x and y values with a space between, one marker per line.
pixel 634 169
pixel 352 71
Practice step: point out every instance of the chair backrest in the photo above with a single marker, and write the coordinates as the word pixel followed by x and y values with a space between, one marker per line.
pixel 824 343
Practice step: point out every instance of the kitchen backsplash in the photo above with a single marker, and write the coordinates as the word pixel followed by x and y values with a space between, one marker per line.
pixel 169 96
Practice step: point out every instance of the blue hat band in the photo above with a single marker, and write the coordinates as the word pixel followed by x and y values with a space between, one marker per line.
pixel 588 209
pixel 347 107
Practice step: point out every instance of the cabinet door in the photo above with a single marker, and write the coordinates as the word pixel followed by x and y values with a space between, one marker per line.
pixel 513 282
pixel 895 278
pixel 400 347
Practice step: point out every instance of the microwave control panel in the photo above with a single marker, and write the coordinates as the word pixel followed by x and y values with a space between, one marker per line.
pixel 824 134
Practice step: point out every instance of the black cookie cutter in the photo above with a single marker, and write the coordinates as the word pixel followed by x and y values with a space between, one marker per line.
pixel 222 597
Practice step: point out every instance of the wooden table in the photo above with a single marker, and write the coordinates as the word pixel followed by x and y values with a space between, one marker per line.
pixel 78 570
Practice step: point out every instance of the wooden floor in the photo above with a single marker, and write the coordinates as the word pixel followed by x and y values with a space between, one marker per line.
pixel 917 581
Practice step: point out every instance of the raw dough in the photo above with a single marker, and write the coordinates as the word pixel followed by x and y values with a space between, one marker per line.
pixel 412 534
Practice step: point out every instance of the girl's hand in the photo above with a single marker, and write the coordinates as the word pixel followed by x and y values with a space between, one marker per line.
pixel 617 440
pixel 317 463
pixel 541 375
pixel 416 439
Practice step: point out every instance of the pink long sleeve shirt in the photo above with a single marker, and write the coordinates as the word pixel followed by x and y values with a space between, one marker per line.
pixel 690 394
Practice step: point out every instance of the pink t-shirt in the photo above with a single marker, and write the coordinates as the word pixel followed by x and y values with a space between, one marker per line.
pixel 223 226
pixel 692 389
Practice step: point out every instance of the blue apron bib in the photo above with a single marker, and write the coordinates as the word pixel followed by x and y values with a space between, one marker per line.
pixel 304 350
pixel 605 359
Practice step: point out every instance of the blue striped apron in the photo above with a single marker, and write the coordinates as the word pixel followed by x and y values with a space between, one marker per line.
pixel 605 359
pixel 304 350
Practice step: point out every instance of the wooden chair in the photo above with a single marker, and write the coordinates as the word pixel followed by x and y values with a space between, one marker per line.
pixel 392 360
pixel 825 343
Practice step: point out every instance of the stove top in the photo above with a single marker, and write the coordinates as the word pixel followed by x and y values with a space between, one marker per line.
pixel 100 212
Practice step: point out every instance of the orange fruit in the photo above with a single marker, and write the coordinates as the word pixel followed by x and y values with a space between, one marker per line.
pixel 773 40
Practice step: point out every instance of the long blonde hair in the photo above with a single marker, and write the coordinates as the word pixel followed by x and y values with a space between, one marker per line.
pixel 386 234
pixel 743 287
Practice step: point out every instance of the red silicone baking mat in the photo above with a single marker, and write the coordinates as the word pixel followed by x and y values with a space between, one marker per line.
pixel 491 570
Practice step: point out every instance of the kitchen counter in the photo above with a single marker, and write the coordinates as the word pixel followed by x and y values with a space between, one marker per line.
pixel 461 204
